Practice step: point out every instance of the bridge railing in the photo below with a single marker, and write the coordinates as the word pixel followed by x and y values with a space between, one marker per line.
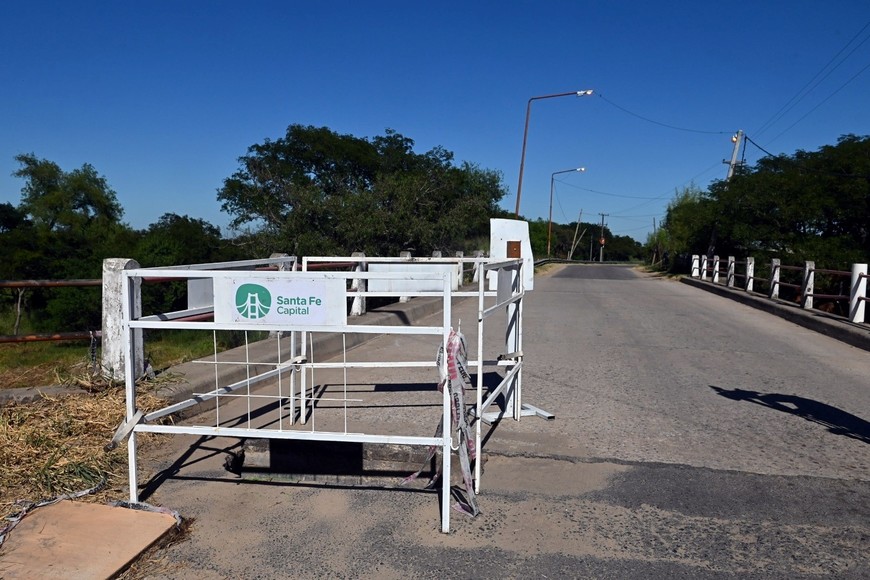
pixel 800 279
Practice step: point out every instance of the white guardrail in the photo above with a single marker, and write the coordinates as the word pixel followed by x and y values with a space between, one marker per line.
pixel 712 270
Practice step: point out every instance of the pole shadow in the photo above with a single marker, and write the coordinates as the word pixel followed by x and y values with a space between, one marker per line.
pixel 836 420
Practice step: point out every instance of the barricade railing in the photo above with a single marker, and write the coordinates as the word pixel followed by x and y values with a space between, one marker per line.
pixel 804 284
pixel 300 305
pixel 200 302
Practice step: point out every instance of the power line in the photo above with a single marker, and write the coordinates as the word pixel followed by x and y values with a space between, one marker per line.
pixel 804 91
pixel 659 123
pixel 766 152
pixel 825 100
pixel 613 194
pixel 803 167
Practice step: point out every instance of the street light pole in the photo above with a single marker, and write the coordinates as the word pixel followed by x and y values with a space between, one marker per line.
pixel 550 221
pixel 583 93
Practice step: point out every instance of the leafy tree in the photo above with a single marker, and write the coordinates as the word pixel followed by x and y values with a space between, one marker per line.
pixel 175 240
pixel 57 200
pixel 622 248
pixel 71 222
pixel 805 206
pixel 318 192
pixel 20 260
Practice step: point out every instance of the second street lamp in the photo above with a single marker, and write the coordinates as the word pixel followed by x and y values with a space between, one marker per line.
pixel 583 93
pixel 550 221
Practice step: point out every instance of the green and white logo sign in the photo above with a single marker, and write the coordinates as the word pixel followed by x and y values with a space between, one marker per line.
pixel 287 301
pixel 253 301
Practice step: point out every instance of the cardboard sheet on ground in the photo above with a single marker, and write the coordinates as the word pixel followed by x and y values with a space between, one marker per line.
pixel 73 540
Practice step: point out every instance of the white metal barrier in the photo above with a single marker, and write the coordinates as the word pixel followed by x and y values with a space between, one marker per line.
pixel 295 305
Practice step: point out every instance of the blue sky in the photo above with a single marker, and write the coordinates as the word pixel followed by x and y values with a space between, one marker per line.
pixel 162 98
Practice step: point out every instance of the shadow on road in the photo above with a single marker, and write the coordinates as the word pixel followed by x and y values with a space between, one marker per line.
pixel 836 420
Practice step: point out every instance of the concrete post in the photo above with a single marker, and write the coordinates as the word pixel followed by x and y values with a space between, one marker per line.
pixel 729 277
pixel 715 269
pixel 114 358
pixel 405 255
pixel 703 267
pixel 696 266
pixel 477 267
pixel 750 272
pixel 282 266
pixel 773 291
pixel 460 274
pixel 358 306
pixel 857 292
pixel 807 285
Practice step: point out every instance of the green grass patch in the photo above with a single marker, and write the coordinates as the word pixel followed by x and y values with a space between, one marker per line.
pixel 42 364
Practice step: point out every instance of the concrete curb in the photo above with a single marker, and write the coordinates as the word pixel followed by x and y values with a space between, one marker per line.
pixel 857 335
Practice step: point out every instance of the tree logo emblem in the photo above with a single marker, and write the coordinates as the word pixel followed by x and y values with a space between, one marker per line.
pixel 253 301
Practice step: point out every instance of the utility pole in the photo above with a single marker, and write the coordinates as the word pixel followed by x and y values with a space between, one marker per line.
pixel 736 139
pixel 601 240
pixel 574 241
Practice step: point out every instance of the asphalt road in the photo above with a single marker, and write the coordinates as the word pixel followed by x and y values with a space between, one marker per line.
pixel 694 438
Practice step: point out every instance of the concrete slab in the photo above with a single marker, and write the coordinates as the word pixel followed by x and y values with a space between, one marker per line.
pixel 72 540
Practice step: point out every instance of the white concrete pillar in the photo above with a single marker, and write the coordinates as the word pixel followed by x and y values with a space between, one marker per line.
pixel 115 342
pixel 703 267
pixel 477 267
pixel 405 255
pixel 715 269
pixel 807 285
pixel 858 291
pixel 750 273
pixel 696 266
pixel 459 271
pixel 358 306
pixel 773 291
pixel 729 277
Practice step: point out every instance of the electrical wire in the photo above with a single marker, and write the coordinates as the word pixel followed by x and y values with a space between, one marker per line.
pixel 823 101
pixel 803 167
pixel 804 91
pixel 659 123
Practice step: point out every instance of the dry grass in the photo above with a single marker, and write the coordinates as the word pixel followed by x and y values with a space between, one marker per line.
pixel 55 445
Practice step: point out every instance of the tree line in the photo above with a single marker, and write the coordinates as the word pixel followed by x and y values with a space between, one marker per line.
pixel 311 192
pixel 811 205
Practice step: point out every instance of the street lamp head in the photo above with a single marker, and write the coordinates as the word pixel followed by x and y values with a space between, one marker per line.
pixel 581 169
pixel 585 93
